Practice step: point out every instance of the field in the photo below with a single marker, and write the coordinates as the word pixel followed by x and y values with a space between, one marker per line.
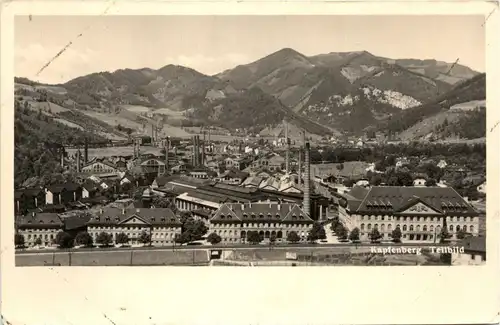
pixel 68 123
pixel 115 258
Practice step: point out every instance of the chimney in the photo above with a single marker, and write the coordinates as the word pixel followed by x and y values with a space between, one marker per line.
pixel 33 214
pixel 287 159
pixel 193 160
pixel 86 151
pixel 123 210
pixel 135 149
pixel 78 161
pixel 307 188
pixel 100 211
pixel 152 134
pixel 167 150
pixel 299 172
pixel 203 158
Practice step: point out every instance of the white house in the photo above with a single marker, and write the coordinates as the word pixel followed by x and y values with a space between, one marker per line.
pixel 482 188
pixel 442 164
pixel 419 182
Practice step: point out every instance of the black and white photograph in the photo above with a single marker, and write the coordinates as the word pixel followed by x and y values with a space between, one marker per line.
pixel 250 141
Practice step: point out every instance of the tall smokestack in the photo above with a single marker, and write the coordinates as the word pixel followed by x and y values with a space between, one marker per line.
pixel 167 150
pixel 299 172
pixel 138 144
pixel 203 158
pixel 307 186
pixel 86 151
pixel 78 160
pixel 152 134
pixel 287 159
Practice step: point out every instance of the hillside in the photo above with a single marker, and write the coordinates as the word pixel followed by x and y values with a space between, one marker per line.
pixel 428 119
pixel 346 91
pixel 337 88
pixel 37 139
pixel 252 110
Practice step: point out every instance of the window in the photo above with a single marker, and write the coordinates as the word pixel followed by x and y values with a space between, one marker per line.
pixel 362 226
pixel 451 227
pixel 471 229
pixel 369 226
pixel 411 227
pixel 431 228
pixel 424 228
pixel 404 227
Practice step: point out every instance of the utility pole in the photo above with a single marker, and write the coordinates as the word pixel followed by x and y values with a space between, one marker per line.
pixel 69 253
pixel 131 257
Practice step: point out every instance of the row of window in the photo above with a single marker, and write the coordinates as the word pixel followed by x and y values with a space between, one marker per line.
pixel 419 219
pixel 264 225
pixel 46 236
pixel 418 228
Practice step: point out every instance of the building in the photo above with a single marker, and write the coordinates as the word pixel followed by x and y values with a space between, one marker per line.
pixel 160 223
pixel 474 252
pixel 39 227
pixel 27 199
pixel 233 221
pixel 418 211
pixel 338 173
pixel 99 167
pixel 152 165
pixel 63 193
pixel 233 177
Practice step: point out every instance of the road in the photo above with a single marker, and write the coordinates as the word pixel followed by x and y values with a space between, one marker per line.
pixel 223 247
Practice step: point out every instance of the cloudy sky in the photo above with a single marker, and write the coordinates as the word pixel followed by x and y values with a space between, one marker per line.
pixel 211 44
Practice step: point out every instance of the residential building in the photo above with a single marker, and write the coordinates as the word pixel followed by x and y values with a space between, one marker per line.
pixel 27 199
pixel 160 223
pixel 63 193
pixel 418 212
pixel 474 251
pixel 419 181
pixel 233 221
pixel 42 226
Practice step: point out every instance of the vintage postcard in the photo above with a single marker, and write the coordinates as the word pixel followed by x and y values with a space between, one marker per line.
pixel 238 139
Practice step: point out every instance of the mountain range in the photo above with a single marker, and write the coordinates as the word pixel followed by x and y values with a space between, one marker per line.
pixel 346 92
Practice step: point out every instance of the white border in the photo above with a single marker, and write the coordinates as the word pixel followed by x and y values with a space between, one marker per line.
pixel 185 295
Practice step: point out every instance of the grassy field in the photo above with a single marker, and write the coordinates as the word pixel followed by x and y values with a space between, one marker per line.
pixel 116 258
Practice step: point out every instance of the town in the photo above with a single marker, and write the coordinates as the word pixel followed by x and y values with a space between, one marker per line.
pixel 279 194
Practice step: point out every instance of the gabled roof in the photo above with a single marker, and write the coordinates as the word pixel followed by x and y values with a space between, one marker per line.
pixel 152 217
pixel 261 212
pixel 40 220
pixel 394 198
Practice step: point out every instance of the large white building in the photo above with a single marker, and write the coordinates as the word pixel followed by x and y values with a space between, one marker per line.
pixel 41 227
pixel 419 212
pixel 160 223
pixel 233 221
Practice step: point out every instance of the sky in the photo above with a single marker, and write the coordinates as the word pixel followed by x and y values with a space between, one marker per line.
pixel 212 44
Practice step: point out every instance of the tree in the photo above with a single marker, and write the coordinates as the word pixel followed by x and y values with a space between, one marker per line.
pixel 396 235
pixel 272 239
pixel 194 229
pixel 253 237
pixel 461 234
pixel 64 240
pixel 293 237
pixel 145 238
pixel 341 232
pixel 375 235
pixel 104 239
pixel 83 238
pixel 19 240
pixel 214 239
pixel 38 241
pixel 431 182
pixel 354 235
pixel 161 202
pixel 317 232
pixel 122 238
